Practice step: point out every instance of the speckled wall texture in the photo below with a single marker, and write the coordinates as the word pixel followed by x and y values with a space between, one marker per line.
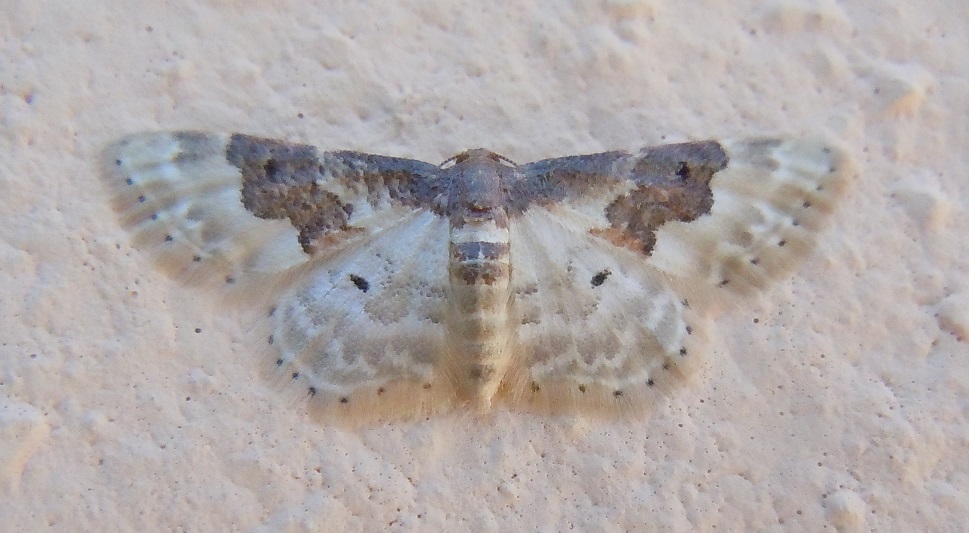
pixel 834 399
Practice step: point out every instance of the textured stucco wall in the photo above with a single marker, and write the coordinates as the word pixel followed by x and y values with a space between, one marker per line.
pixel 838 399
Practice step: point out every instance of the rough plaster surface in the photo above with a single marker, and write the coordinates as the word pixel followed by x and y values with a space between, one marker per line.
pixel 838 401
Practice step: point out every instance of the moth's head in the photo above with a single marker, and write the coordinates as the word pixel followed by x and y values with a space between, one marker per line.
pixel 478 154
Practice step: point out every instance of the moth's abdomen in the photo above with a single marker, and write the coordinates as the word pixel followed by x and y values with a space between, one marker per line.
pixel 479 269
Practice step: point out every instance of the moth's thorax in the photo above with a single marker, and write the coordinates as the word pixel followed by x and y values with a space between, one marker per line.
pixel 476 184
pixel 479 274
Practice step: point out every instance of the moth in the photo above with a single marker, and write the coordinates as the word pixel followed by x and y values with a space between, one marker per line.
pixel 401 288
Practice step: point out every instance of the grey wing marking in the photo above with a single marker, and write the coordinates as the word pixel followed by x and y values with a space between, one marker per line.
pixel 552 180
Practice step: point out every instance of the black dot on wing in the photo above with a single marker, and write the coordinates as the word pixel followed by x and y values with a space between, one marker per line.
pixel 270 167
pixel 689 330
pixel 650 382
pixel 427 386
pixel 197 258
pixel 271 340
pixel 360 282
pixel 600 277
pixel 782 243
pixel 724 283
pixel 154 216
pixel 128 181
pixel 295 375
pixel 581 388
pixel 169 238
pixel 380 390
pixel 683 170
pixel 683 351
pixel 344 400
pixel 142 198
pixel 617 393
pixel 535 387
pixel 230 280
pixel 312 391
pixel 754 261
pixel 279 362
pixel 806 204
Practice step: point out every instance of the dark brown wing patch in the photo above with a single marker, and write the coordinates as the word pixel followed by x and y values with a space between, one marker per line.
pixel 282 180
pixel 673 183
pixel 669 182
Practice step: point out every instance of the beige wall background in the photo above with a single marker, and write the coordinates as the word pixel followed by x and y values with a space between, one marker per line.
pixel 836 401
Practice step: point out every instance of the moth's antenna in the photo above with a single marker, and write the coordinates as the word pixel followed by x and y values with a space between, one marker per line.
pixel 505 159
pixel 450 159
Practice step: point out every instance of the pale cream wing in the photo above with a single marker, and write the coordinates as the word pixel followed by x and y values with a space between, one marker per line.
pixel 769 203
pixel 182 200
pixel 597 330
pixel 363 336
pixel 613 247
pixel 357 323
